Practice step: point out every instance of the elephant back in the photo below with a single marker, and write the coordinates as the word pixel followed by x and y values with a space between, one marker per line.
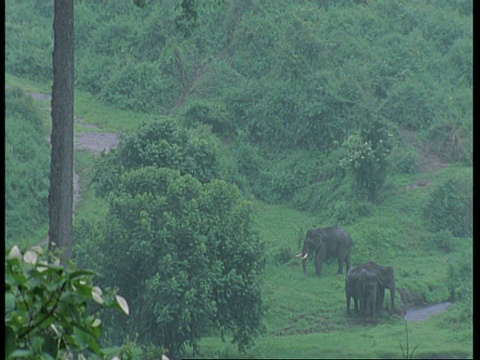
pixel 337 239
pixel 385 273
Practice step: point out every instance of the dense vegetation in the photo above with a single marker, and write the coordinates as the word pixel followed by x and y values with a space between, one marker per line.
pixel 354 113
pixel 27 167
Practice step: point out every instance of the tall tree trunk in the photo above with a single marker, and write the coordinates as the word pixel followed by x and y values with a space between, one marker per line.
pixel 60 198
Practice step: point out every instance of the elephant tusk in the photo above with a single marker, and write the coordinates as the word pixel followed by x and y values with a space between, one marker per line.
pixel 299 255
pixel 303 258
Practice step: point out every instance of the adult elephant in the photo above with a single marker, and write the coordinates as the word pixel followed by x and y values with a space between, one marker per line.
pixel 363 286
pixel 325 243
pixel 387 279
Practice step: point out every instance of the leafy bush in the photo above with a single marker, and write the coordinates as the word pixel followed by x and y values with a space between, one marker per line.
pixel 405 159
pixel 451 135
pixel 161 144
pixel 191 249
pixel 51 309
pixel 185 236
pixel 460 282
pixel 450 207
pixel 444 240
pixel 27 166
pixel 136 86
pixel 29 39
pixel 213 115
pixel 367 155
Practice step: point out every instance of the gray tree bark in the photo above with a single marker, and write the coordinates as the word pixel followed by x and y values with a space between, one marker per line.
pixel 60 198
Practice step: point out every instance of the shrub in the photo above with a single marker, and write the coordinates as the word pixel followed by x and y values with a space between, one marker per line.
pixel 460 279
pixel 367 156
pixel 27 166
pixel 444 240
pixel 450 206
pixel 405 159
pixel 211 114
pixel 160 144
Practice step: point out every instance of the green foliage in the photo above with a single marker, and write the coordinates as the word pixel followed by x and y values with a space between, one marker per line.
pixel 450 207
pixel 201 112
pixel 276 76
pixel 367 155
pixel 460 283
pixel 405 159
pixel 191 249
pixel 52 309
pixel 29 39
pixel 185 236
pixel 27 168
pixel 451 135
pixel 161 144
pixel 135 87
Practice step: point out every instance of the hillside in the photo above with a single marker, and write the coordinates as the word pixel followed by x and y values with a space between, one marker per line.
pixel 283 94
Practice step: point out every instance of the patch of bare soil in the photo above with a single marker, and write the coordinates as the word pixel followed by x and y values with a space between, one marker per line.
pixel 38 96
pixel 95 142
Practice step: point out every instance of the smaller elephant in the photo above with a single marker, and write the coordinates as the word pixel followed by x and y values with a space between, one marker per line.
pixel 325 243
pixel 387 280
pixel 364 287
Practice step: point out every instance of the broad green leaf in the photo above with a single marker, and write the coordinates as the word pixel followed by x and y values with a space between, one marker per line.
pixel 21 353
pixel 50 346
pixel 9 340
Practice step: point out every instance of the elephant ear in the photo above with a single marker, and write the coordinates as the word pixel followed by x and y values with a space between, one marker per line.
pixel 380 280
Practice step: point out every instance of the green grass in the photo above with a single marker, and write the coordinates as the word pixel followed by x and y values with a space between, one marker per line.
pixel 90 208
pixel 91 110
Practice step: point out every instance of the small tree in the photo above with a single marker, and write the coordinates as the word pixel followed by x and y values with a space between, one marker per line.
pixel 178 241
pixel 367 156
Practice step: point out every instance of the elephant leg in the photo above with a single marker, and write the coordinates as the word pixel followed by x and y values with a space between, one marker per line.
pixel 373 307
pixel 362 304
pixel 347 261
pixel 380 298
pixel 340 265
pixel 318 263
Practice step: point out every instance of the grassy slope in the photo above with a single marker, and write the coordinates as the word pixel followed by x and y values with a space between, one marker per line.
pixel 306 314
